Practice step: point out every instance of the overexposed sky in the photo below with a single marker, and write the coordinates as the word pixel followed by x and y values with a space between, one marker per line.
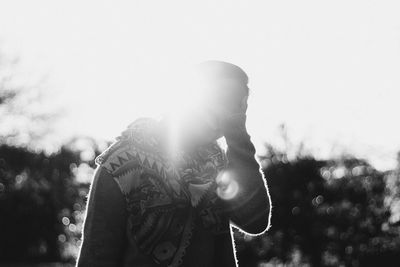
pixel 329 70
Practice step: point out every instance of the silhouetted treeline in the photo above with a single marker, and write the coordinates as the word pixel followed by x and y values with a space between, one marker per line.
pixel 37 194
pixel 325 213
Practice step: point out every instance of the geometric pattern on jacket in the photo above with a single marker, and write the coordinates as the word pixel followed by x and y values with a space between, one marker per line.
pixel 165 197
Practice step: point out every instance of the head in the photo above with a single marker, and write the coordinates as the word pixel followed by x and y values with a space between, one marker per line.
pixel 219 91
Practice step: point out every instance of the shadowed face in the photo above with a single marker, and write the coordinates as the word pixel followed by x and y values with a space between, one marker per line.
pixel 222 99
pixel 215 91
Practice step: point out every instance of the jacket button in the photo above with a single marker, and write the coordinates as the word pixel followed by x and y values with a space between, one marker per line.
pixel 164 251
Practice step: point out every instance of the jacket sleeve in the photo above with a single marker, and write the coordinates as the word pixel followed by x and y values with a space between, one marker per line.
pixel 103 236
pixel 249 208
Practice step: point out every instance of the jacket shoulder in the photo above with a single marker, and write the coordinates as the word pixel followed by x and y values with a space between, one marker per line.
pixel 118 158
pixel 124 154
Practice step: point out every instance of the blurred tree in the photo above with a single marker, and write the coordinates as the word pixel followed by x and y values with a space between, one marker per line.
pixel 42 195
pixel 325 213
pixel 42 200
pixel 24 120
pixel 393 192
pixel 34 189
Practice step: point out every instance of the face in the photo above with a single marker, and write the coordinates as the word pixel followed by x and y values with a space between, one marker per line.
pixel 198 119
pixel 228 97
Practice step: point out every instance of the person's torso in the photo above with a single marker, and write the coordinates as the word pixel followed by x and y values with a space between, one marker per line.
pixel 174 216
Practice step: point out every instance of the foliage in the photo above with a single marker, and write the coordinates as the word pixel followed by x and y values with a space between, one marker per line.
pixel 325 213
pixel 41 203
pixel 24 120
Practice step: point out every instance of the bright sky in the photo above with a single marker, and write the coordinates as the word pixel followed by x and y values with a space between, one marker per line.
pixel 329 70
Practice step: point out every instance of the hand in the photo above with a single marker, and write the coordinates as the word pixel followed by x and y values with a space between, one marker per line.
pixel 228 109
pixel 237 106
pixel 236 119
pixel 243 104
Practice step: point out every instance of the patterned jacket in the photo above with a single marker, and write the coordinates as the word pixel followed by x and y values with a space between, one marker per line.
pixel 173 214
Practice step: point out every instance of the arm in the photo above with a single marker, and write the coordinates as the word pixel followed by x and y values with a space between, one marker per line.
pixel 250 209
pixel 105 223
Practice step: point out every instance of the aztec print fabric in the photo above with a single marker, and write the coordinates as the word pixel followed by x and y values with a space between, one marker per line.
pixel 166 199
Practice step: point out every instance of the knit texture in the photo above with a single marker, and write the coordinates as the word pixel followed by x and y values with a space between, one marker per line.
pixel 145 209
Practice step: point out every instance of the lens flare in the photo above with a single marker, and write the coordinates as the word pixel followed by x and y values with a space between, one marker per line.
pixel 228 188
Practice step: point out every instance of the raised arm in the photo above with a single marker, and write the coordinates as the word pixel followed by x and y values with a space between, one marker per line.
pixel 103 237
pixel 250 208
